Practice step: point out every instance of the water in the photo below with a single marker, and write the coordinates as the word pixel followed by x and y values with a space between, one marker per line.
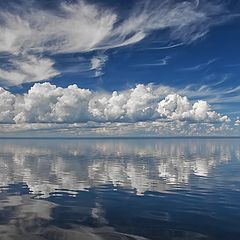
pixel 120 189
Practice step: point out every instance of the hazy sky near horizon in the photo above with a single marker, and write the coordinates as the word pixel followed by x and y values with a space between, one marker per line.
pixel 123 67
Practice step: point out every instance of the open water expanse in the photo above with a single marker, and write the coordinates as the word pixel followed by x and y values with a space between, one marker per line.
pixel 120 189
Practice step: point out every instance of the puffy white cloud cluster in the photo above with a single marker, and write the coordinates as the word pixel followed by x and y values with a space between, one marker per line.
pixel 136 104
pixel 176 107
pixel 7 102
pixel 237 122
pixel 47 103
pixel 29 32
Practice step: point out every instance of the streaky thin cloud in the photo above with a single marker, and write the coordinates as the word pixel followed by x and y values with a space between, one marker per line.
pixel 233 90
pixel 162 62
pixel 167 47
pixel 83 27
pixel 233 65
pixel 212 93
pixel 199 67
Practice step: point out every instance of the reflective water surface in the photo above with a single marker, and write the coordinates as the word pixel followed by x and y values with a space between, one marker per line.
pixel 120 189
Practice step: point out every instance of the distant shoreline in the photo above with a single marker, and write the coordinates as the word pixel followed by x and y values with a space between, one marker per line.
pixel 120 138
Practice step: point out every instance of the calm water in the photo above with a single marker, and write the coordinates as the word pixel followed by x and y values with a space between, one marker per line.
pixel 120 189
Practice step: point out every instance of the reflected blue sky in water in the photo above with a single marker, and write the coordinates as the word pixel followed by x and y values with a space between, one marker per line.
pixel 120 189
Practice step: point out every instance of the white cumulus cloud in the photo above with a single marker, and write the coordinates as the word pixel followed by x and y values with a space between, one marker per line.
pixel 7 103
pixel 237 122
pixel 176 107
pixel 46 103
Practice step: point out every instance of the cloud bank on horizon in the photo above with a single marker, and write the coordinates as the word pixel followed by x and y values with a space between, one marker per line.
pixel 46 103
pixel 147 108
pixel 34 37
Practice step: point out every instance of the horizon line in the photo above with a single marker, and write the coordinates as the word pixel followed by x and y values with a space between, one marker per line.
pixel 120 137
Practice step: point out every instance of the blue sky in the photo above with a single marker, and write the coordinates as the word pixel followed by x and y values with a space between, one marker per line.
pixel 174 64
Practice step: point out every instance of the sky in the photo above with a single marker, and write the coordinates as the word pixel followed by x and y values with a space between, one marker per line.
pixel 119 68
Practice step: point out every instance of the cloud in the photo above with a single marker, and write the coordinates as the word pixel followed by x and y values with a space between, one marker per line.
pixel 76 28
pixel 199 67
pixel 46 103
pixel 82 27
pixel 97 64
pixel 233 65
pixel 28 69
pixel 237 122
pixel 162 62
pixel 153 128
pixel 169 46
pixel 214 93
pixel 183 20
pixel 176 107
pixel 7 102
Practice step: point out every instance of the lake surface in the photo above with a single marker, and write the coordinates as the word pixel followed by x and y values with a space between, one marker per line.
pixel 120 189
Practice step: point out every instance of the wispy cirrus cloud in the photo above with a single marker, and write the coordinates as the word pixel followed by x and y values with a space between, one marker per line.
pixel 168 46
pixel 233 65
pixel 200 66
pixel 216 96
pixel 162 62
pixel 82 27
pixel 28 68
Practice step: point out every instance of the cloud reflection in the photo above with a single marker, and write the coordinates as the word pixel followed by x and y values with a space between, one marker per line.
pixel 145 165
